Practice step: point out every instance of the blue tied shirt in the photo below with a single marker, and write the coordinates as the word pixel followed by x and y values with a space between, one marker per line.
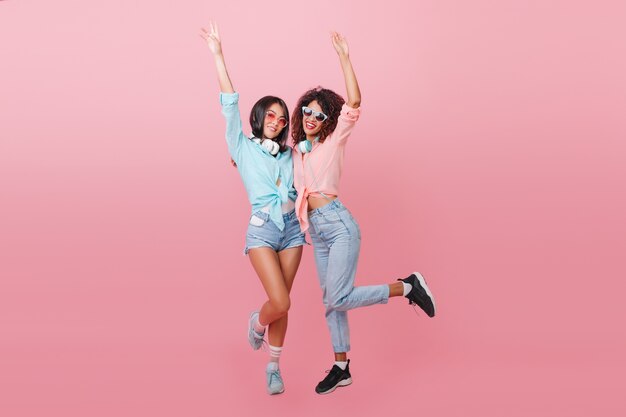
pixel 259 170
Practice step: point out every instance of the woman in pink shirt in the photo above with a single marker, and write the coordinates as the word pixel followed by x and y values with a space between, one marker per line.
pixel 322 123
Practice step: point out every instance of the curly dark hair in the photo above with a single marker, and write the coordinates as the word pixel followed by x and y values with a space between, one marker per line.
pixel 257 119
pixel 329 101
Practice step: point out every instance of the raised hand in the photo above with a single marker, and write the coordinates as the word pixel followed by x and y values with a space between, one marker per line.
pixel 340 43
pixel 352 86
pixel 212 38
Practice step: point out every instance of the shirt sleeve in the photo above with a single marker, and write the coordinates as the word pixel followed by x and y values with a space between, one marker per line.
pixel 234 132
pixel 346 122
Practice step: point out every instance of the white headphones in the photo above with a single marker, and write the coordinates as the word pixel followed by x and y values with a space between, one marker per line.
pixel 271 146
pixel 305 146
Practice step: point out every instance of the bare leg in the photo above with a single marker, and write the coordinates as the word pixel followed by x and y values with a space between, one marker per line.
pixel 289 262
pixel 267 266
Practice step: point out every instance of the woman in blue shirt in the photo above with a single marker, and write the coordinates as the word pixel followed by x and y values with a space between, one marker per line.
pixel 274 240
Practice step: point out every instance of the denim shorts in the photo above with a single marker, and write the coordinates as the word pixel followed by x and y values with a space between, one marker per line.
pixel 262 232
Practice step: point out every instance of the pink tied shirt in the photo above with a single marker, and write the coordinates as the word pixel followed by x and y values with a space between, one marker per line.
pixel 319 171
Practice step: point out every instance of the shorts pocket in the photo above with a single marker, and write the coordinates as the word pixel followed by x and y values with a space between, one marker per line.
pixel 256 220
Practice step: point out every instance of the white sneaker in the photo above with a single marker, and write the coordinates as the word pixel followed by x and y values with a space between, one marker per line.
pixel 255 339
pixel 275 383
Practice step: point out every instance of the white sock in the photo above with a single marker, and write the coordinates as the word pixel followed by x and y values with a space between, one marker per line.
pixel 275 352
pixel 272 366
pixel 342 364
pixel 407 288
pixel 258 328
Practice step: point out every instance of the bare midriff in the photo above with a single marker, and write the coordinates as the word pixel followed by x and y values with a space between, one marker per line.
pixel 317 202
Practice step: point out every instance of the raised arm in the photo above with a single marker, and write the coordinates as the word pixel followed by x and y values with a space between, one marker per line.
pixel 212 38
pixel 352 86
pixel 229 99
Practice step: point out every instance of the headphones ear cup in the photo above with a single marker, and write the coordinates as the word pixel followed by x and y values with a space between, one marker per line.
pixel 271 146
pixel 305 146
pixel 267 145
pixel 275 148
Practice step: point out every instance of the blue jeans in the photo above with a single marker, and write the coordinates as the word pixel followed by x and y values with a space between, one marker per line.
pixel 336 238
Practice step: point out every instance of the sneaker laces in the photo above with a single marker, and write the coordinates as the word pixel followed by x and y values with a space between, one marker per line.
pixel 327 374
pixel 258 335
pixel 274 375
pixel 264 345
pixel 412 304
pixel 330 370
pixel 414 308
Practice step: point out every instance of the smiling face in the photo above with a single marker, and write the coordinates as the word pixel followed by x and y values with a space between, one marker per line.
pixel 275 121
pixel 310 124
pixel 316 115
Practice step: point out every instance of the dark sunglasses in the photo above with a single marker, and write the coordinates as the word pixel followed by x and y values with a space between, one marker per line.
pixel 319 116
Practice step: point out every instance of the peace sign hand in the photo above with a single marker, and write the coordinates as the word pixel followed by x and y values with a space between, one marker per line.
pixel 212 38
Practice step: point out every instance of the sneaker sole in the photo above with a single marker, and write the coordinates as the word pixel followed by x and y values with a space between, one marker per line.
pixel 342 383
pixel 422 281
pixel 276 393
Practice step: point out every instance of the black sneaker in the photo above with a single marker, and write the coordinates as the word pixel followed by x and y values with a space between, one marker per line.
pixel 420 293
pixel 336 377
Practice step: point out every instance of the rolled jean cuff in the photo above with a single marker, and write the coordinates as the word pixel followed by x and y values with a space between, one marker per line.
pixel 341 349
pixel 385 299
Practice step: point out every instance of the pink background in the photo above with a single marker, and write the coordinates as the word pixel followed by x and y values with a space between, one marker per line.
pixel 490 155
